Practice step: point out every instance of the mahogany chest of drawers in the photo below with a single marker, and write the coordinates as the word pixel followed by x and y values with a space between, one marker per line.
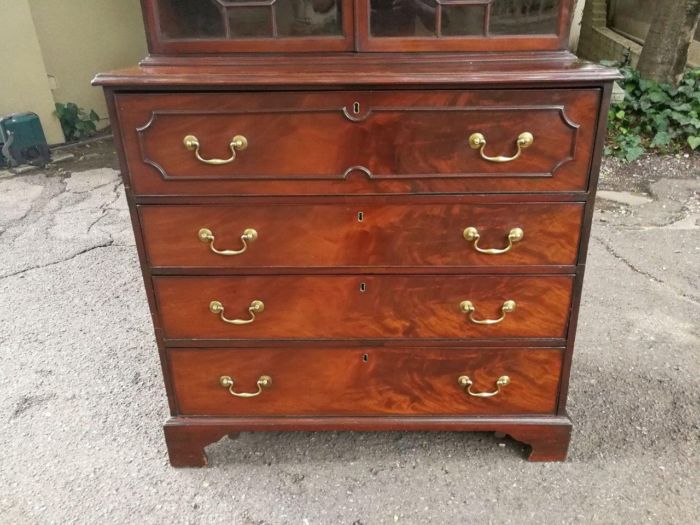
pixel 362 242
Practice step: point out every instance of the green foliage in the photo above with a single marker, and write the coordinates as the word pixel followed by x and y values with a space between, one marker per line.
pixel 654 117
pixel 76 122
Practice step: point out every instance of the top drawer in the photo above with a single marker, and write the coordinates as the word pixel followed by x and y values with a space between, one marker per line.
pixel 359 142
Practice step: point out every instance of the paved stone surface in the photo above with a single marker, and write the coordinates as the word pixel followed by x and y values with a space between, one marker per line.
pixel 624 197
pixel 81 401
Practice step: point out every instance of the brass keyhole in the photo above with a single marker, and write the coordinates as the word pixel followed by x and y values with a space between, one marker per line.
pixel 360 216
pixel 363 287
pixel 356 108
pixel 365 358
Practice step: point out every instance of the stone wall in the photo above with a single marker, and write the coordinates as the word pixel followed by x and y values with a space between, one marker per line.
pixel 597 42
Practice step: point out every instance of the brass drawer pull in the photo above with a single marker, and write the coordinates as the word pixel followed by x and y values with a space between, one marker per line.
pixel 249 235
pixel 256 307
pixel 467 383
pixel 478 141
pixel 467 307
pixel 238 143
pixel 229 382
pixel 471 234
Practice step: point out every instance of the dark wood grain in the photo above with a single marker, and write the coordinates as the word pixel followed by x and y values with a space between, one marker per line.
pixel 586 235
pixel 385 357
pixel 188 436
pixel 412 141
pixel 391 307
pixel 272 72
pixel 142 257
pixel 363 235
pixel 366 381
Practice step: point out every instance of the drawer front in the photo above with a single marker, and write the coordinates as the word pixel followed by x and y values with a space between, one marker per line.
pixel 363 307
pixel 359 142
pixel 341 235
pixel 337 381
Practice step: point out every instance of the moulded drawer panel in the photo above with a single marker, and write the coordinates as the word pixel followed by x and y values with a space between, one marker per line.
pixel 352 142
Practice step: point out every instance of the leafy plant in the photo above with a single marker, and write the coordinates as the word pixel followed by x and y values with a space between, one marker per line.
pixel 654 117
pixel 76 122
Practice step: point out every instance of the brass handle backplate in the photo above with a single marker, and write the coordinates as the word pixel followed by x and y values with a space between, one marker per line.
pixel 467 307
pixel 466 383
pixel 228 382
pixel 471 234
pixel 238 143
pixel 256 307
pixel 249 235
pixel 478 141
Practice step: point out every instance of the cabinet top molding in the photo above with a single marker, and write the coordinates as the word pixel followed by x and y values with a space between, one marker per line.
pixel 361 70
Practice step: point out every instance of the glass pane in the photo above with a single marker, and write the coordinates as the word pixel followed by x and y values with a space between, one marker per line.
pixel 463 20
pixel 633 17
pixel 220 19
pixel 186 19
pixel 418 18
pixel 524 17
pixel 250 22
pixel 299 18
pixel 403 17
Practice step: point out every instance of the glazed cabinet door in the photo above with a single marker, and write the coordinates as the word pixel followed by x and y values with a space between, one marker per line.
pixel 463 25
pixel 230 26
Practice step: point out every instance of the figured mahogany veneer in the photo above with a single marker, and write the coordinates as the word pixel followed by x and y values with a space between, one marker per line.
pixel 364 235
pixel 364 306
pixel 359 141
pixel 366 381
pixel 359 181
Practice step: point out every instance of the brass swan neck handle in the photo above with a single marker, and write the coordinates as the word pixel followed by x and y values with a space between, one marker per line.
pixel 238 143
pixel 471 234
pixel 256 307
pixel 467 307
pixel 228 382
pixel 466 383
pixel 478 141
pixel 249 235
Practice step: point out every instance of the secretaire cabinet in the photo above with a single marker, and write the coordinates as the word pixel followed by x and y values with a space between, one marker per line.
pixel 361 214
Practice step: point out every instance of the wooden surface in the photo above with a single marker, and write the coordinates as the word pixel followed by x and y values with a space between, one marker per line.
pixel 396 142
pixel 313 253
pixel 187 437
pixel 391 307
pixel 326 236
pixel 271 72
pixel 366 381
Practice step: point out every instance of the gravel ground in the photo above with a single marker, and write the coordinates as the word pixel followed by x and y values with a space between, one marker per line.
pixel 81 401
